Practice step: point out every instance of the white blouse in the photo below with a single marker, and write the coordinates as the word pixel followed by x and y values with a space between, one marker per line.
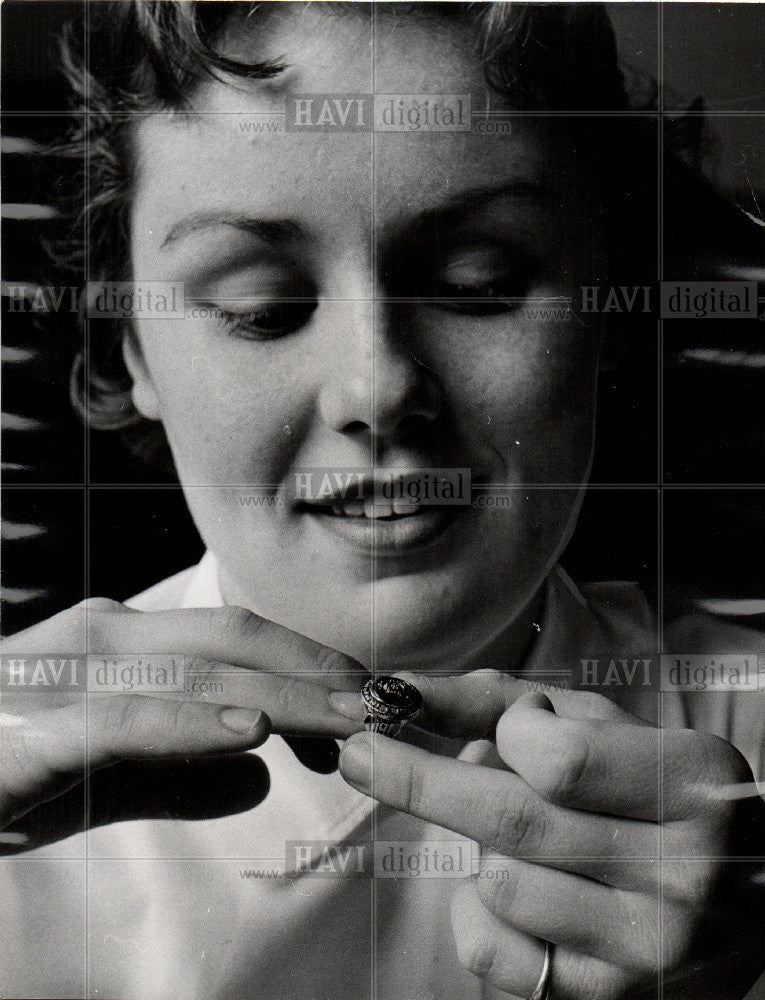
pixel 203 910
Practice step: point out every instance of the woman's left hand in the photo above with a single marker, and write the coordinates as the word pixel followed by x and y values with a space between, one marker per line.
pixel 621 844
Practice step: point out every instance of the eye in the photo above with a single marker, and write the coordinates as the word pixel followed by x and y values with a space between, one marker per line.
pixel 477 280
pixel 270 320
pixel 502 294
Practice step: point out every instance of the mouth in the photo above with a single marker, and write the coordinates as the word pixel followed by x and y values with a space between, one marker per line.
pixel 382 518
pixel 370 509
pixel 381 531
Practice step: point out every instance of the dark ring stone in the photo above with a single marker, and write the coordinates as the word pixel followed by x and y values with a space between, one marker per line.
pixel 391 699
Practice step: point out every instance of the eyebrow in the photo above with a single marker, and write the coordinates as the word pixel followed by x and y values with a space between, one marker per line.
pixel 470 199
pixel 275 232
pixel 271 231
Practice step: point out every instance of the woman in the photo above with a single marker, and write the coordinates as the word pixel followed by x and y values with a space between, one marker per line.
pixel 365 305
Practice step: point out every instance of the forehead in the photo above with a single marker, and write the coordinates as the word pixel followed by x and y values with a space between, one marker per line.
pixel 359 46
pixel 231 151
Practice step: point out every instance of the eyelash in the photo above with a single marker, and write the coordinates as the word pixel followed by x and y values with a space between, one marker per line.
pixel 245 324
pixel 490 298
pixel 486 299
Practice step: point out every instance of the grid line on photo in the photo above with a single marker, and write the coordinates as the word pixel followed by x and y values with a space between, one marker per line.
pixel 660 96
pixel 591 487
pixel 745 859
pixel 591 113
pixel 374 900
pixel 86 327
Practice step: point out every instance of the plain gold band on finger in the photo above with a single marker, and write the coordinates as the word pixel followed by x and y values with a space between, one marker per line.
pixel 542 989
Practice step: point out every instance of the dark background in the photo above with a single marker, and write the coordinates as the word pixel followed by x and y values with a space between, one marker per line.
pixel 679 494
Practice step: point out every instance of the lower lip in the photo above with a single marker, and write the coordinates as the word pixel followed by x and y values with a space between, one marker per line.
pixel 391 538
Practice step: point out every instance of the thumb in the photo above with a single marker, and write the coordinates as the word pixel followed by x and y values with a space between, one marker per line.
pixel 469 706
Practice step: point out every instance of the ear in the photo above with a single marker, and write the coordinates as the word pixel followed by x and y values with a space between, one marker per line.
pixel 143 392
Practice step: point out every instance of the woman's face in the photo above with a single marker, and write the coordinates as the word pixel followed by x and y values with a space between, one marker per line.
pixel 375 364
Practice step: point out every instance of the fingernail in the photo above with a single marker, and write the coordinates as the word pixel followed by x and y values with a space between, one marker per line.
pixel 356 762
pixel 241 720
pixel 348 703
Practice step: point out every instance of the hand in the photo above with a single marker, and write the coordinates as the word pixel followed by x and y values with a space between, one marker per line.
pixel 615 841
pixel 244 677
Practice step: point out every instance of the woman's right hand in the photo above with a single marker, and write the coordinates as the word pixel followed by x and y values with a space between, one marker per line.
pixel 242 677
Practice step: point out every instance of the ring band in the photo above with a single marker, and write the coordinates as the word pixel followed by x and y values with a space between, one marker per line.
pixel 542 989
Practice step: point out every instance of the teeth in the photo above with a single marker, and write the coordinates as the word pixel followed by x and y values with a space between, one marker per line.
pixel 377 507
pixel 405 506
pixel 374 508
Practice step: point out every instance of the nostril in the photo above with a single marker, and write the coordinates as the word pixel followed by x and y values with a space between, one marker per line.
pixel 355 427
pixel 413 423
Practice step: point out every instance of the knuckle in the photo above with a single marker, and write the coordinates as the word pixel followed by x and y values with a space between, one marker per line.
pixel 727 764
pixel 660 945
pixel 332 661
pixel 200 675
pixel 285 694
pixel 74 626
pixel 283 698
pixel 486 682
pixel 123 723
pixel 500 888
pixel 187 715
pixel 89 623
pixel 100 604
pixel 488 674
pixel 476 956
pixel 235 620
pixel 517 826
pixel 567 770
pixel 719 764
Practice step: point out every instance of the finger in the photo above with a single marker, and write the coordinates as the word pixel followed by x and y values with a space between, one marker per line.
pixel 596 765
pixel 500 810
pixel 468 706
pixel 64 632
pixel 549 904
pixel 185 789
pixel 606 766
pixel 230 635
pixel 294 703
pixel 227 635
pixel 513 961
pixel 41 755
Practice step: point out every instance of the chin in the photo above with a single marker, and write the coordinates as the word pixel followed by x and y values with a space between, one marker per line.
pixel 423 629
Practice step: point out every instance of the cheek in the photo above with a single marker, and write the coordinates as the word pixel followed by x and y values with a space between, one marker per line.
pixel 227 418
pixel 529 395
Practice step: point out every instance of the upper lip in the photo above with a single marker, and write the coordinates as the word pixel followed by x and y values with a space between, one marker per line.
pixel 363 488
pixel 359 488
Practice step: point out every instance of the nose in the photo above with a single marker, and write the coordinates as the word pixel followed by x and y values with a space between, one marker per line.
pixel 377 386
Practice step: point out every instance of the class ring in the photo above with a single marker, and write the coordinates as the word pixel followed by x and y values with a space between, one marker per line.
pixel 390 703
